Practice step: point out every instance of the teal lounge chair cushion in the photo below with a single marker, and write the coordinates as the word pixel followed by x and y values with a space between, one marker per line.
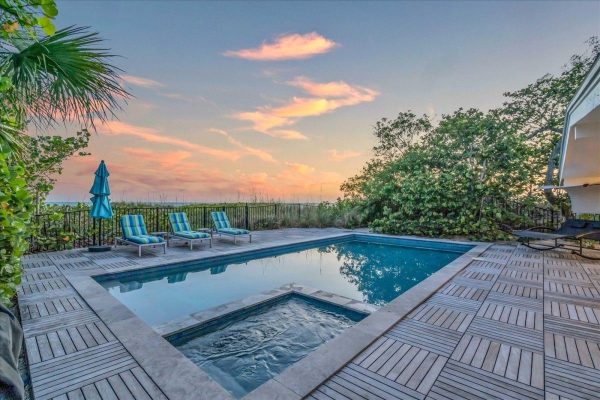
pixel 233 231
pixel 145 239
pixel 220 220
pixel 135 231
pixel 179 222
pixel 192 235
pixel 133 225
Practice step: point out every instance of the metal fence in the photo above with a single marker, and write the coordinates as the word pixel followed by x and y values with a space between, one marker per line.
pixel 73 228
pixel 76 229
pixel 534 215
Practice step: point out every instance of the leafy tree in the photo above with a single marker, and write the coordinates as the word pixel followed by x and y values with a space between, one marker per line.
pixel 44 158
pixel 538 111
pixel 455 178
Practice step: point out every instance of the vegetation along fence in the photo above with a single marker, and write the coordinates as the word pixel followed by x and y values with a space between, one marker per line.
pixel 531 215
pixel 73 227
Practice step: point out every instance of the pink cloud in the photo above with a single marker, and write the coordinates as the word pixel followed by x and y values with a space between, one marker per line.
pixel 298 168
pixel 142 82
pixel 286 47
pixel 288 134
pixel 340 155
pixel 327 97
pixel 262 154
pixel 139 174
pixel 342 89
pixel 154 136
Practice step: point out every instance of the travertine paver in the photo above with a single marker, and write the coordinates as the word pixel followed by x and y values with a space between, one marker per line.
pixel 516 324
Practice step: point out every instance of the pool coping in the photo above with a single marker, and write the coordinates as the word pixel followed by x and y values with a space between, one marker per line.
pixel 179 378
pixel 194 320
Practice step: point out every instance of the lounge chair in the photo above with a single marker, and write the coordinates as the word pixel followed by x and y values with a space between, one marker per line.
pixel 571 229
pixel 223 227
pixel 180 229
pixel 135 233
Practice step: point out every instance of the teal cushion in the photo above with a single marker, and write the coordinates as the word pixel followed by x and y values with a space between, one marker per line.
pixel 133 225
pixel 233 231
pixel 220 220
pixel 192 235
pixel 145 239
pixel 179 222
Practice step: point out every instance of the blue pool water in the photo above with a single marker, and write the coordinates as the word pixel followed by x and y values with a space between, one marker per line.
pixel 367 271
pixel 242 353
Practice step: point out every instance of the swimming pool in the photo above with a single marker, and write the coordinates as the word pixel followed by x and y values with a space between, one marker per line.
pixel 366 268
pixel 243 351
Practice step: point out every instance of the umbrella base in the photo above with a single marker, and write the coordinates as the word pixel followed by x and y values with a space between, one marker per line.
pixel 98 249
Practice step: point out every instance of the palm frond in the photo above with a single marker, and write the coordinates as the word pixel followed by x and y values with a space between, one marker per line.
pixel 11 139
pixel 63 77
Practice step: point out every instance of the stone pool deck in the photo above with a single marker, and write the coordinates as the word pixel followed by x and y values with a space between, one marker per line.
pixel 513 323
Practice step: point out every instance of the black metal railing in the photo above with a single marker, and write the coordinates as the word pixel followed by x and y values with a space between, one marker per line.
pixel 75 228
pixel 531 215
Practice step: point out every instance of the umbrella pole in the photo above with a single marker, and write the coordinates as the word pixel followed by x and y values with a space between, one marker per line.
pixel 99 247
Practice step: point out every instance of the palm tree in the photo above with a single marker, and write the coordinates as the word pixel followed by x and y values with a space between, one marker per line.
pixel 63 77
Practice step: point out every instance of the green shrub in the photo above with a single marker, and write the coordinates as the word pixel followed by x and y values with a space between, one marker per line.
pixel 16 207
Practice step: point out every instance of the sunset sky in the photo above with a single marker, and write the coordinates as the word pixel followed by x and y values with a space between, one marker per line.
pixel 273 100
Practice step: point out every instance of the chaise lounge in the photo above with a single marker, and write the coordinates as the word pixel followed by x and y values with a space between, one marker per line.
pixel 135 234
pixel 571 229
pixel 181 229
pixel 223 227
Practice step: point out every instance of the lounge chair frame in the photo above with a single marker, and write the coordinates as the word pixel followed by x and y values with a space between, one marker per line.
pixel 177 235
pixel 220 232
pixel 526 240
pixel 234 236
pixel 119 240
pixel 174 235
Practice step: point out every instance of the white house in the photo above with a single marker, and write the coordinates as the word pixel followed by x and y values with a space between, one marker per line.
pixel 579 171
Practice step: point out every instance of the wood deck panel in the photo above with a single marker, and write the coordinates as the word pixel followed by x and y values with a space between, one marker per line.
pixel 532 330
pixel 514 324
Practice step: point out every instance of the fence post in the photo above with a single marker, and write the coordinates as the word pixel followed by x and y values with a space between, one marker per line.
pixel 156 222
pixel 246 217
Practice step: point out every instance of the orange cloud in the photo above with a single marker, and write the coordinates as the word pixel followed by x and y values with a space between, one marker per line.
pixel 298 168
pixel 337 155
pixel 142 82
pixel 262 154
pixel 153 136
pixel 287 134
pixel 327 97
pixel 164 175
pixel 334 89
pixel 167 160
pixel 286 47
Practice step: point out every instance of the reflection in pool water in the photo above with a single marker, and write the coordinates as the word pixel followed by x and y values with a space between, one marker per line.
pixel 370 272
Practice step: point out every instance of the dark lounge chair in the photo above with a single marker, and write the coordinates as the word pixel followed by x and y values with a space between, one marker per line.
pixel 572 229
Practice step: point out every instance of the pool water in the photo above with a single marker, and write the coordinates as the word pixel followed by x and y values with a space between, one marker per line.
pixel 366 271
pixel 243 353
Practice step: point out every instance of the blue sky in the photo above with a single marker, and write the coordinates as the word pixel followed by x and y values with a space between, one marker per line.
pixel 210 125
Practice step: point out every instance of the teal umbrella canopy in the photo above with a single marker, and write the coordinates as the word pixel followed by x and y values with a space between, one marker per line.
pixel 101 208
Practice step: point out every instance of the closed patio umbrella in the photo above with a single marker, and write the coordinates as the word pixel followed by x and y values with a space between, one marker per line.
pixel 101 208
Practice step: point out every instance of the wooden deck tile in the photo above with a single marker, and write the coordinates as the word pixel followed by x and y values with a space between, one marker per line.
pixel 514 324
pixel 571 381
pixel 426 336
